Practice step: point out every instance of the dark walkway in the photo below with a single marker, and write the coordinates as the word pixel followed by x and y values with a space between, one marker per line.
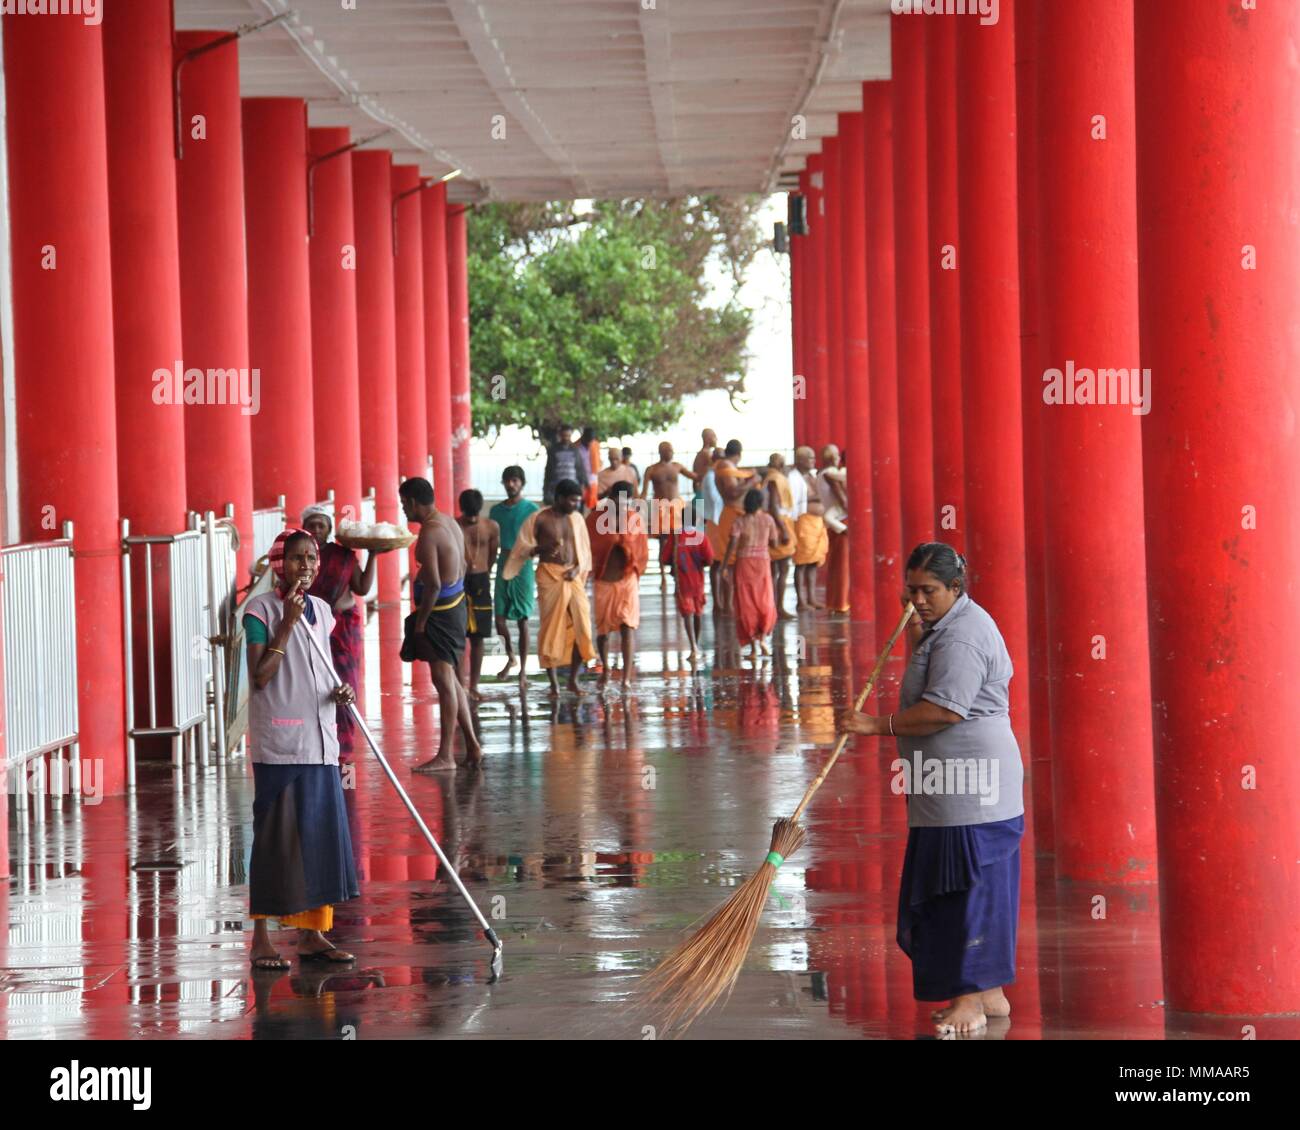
pixel 597 830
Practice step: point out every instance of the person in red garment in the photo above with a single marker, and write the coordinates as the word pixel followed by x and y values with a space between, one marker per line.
pixel 753 536
pixel 690 555
pixel 620 551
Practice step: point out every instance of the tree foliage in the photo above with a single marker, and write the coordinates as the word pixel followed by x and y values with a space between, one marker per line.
pixel 606 319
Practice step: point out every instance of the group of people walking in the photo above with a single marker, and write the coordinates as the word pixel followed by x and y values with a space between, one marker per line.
pixel 741 531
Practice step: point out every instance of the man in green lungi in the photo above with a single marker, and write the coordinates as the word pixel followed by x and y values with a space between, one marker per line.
pixel 514 598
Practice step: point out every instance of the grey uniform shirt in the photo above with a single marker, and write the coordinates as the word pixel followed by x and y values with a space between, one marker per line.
pixel 969 772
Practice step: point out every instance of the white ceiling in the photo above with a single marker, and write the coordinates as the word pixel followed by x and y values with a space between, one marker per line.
pixel 596 98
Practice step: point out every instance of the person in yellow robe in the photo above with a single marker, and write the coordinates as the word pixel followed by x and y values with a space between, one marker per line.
pixel 557 537
pixel 780 504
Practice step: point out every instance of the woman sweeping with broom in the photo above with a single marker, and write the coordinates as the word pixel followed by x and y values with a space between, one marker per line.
pixel 302 853
pixel 959 900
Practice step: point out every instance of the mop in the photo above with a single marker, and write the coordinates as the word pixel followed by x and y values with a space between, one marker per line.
pixel 488 932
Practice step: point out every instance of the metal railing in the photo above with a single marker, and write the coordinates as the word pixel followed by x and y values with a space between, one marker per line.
pixel 40 653
pixel 267 524
pixel 189 655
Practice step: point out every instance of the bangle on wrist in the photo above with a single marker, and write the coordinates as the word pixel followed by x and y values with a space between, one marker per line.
pixel 891 727
pixel 277 650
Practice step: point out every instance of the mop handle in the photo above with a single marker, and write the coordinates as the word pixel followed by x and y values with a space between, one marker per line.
pixel 401 792
pixel 862 701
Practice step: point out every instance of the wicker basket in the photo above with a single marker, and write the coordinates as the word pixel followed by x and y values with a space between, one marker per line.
pixel 375 543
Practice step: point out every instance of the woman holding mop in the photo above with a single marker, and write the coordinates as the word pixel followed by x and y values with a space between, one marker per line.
pixel 302 854
pixel 959 765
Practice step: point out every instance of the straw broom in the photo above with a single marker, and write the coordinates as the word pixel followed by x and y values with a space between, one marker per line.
pixel 703 969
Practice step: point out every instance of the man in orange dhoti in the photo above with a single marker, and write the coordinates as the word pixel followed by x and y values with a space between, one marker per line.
pixel 620 551
pixel 732 482
pixel 557 537
pixel 811 543
pixel 780 504
pixel 832 485
pixel 664 477
pixel 753 535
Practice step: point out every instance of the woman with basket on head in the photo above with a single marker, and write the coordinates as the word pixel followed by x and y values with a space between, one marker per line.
pixel 339 582
pixel 301 862
pixel 960 769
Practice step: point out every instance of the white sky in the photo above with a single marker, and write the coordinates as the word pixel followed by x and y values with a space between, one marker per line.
pixel 763 419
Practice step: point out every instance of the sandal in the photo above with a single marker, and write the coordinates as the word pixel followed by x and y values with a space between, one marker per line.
pixel 328 955
pixel 271 963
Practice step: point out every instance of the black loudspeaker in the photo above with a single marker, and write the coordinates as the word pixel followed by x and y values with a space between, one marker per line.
pixel 780 242
pixel 797 214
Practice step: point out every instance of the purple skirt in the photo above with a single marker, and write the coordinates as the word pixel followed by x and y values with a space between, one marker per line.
pixel 959 906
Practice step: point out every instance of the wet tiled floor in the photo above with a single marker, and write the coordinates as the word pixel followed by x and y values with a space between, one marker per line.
pixel 597 831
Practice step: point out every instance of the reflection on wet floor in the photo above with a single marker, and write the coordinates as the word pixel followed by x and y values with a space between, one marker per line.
pixel 598 830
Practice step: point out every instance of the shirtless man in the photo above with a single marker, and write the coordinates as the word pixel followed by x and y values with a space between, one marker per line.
pixel 810 532
pixel 668 504
pixel 557 537
pixel 482 538
pixel 704 457
pixel 435 631
pixel 616 472
pixel 733 482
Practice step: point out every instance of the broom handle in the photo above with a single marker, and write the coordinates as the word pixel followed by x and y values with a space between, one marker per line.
pixel 448 869
pixel 862 701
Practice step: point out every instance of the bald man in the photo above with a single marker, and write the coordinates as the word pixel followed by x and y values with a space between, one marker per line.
pixel 665 477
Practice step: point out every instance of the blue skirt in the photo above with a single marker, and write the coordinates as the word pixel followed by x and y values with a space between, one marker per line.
pixel 958 907
pixel 302 851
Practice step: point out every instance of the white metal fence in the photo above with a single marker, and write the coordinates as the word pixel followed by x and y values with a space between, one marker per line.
pixel 267 524
pixel 188 655
pixel 40 649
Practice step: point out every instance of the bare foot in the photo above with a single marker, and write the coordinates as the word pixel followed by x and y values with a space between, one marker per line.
pixel 436 765
pixel 473 753
pixel 628 679
pixel 762 646
pixel 511 664
pixel 783 615
pixel 576 687
pixel 965 1015
pixel 602 681
pixel 693 658
pixel 474 696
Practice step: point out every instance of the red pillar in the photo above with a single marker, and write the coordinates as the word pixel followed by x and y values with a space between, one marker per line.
pixel 63 342
pixel 912 280
pixel 214 272
pixel 857 406
pixel 437 341
pixel 990 333
pixel 1097 644
pixel 279 300
pixel 372 195
pixel 833 268
pixel 798 304
pixel 146 261
pixel 943 261
pixel 1038 756
pixel 877 114
pixel 458 318
pixel 1219 177
pixel 817 412
pixel 332 255
pixel 412 394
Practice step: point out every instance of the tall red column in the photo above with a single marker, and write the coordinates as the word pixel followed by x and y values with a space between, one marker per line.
pixel 458 320
pixel 332 256
pixel 818 409
pixel 146 261
pixel 279 300
pixel 1097 645
pixel 412 393
pixel 437 341
pixel 990 333
pixel 856 406
pixel 63 342
pixel 1219 255
pixel 1039 753
pixel 372 195
pixel 798 304
pixel 214 289
pixel 833 268
pixel 943 260
pixel 877 114
pixel 912 280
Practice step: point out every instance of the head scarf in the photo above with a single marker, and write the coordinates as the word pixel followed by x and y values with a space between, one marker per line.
pixel 314 509
pixel 275 555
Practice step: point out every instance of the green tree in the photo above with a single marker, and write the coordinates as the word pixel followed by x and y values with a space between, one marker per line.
pixel 610 318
